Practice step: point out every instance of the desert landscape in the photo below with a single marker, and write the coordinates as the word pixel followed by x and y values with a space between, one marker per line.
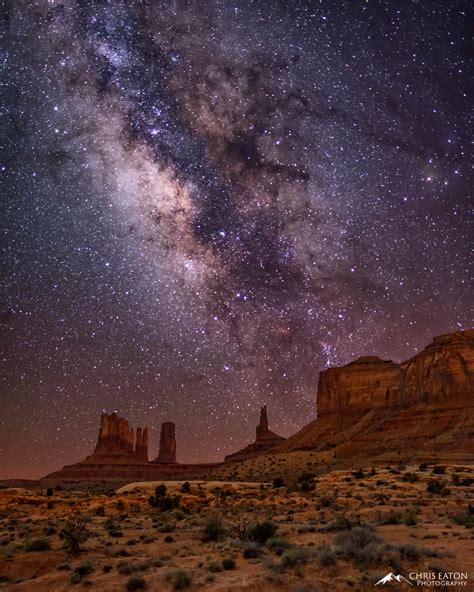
pixel 379 486
pixel 302 532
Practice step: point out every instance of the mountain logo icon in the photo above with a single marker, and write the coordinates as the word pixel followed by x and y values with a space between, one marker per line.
pixel 391 577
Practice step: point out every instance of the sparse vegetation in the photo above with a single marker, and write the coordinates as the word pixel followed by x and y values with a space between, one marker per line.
pixel 75 533
pixel 36 545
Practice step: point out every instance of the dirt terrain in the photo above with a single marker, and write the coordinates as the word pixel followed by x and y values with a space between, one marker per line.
pixel 297 532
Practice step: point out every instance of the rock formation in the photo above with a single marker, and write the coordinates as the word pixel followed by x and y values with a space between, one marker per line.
pixel 167 453
pixel 141 444
pixel 265 440
pixel 116 440
pixel 117 457
pixel 376 408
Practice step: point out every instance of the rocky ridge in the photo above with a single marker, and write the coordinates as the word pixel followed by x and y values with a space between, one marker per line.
pixel 380 409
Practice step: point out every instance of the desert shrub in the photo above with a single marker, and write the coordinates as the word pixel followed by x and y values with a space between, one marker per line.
pixel 306 482
pixel 49 529
pixel 361 545
pixel 326 556
pixel 408 518
pixel 278 545
pixel 125 568
pixel 100 511
pixel 83 569
pixel 412 552
pixel 293 557
pixel 436 486
pixel 120 505
pixel 136 583
pixel 113 528
pixel 410 477
pixel 465 519
pixel 338 524
pixel 160 490
pixel 185 487
pixel 179 579
pixel 214 567
pixel 326 501
pixel 165 502
pixel 213 530
pixel 39 544
pixel 75 532
pixel 228 563
pixel 168 539
pixel 278 482
pixel 49 491
pixel 439 470
pixel 467 481
pixel 260 532
pixel 251 550
pixel 423 466
pixel 107 568
pixel 64 566
pixel 358 474
pixel 166 527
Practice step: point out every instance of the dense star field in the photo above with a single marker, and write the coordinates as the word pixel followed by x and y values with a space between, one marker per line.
pixel 204 204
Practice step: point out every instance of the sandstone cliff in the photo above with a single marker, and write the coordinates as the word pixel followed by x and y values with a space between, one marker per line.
pixel 380 409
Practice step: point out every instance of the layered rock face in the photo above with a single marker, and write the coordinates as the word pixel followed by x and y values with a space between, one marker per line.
pixel 167 453
pixel 116 439
pixel 265 440
pixel 378 408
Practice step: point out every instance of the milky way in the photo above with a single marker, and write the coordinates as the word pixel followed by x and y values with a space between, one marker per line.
pixel 206 203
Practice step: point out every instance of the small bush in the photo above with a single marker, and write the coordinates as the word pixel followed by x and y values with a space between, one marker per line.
pixel 214 567
pixel 278 545
pixel 49 491
pixel 358 474
pixel 100 511
pixel 136 583
pixel 83 569
pixel 465 519
pixel 185 487
pixel 125 568
pixel 251 550
pixel 160 490
pixel 361 545
pixel 75 533
pixel 35 545
pixel 293 557
pixel 228 563
pixel 179 579
pixel 410 477
pixel 260 532
pixel 326 556
pixel 339 524
pixel 212 531
pixel 438 487
pixel 306 482
pixel 412 552
pixel 438 470
pixel 278 482
pixel 423 467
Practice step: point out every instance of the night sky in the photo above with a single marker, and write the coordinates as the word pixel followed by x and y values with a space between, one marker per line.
pixel 204 204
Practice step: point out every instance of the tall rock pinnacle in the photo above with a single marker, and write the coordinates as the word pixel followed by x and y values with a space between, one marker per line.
pixel 167 454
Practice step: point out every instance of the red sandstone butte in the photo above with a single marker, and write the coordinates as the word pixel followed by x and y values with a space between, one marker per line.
pixel 382 410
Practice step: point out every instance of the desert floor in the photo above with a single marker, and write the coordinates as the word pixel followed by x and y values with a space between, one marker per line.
pixel 343 530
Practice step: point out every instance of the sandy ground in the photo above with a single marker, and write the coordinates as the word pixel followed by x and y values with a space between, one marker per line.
pixel 349 531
